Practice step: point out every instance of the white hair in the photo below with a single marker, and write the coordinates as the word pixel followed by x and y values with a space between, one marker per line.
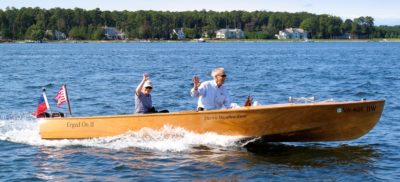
pixel 216 70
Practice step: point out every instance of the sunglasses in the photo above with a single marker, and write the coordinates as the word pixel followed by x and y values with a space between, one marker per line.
pixel 223 76
pixel 149 88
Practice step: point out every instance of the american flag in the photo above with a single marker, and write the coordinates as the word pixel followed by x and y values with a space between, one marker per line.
pixel 61 96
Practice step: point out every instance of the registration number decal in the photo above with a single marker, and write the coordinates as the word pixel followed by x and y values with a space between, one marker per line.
pixel 369 108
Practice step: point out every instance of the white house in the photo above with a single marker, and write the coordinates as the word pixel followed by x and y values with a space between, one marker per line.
pixel 55 35
pixel 59 35
pixel 179 34
pixel 292 33
pixel 112 33
pixel 229 34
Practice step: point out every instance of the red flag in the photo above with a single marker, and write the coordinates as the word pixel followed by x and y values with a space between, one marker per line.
pixel 61 96
pixel 42 106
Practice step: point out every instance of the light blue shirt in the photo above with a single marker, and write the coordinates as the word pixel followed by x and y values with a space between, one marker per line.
pixel 143 103
pixel 211 97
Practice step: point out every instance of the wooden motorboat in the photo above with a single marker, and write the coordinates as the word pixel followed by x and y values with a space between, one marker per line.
pixel 319 121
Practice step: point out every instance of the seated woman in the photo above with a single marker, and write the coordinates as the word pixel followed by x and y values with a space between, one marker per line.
pixel 143 103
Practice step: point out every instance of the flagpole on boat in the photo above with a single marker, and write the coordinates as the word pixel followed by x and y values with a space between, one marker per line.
pixel 67 97
pixel 45 99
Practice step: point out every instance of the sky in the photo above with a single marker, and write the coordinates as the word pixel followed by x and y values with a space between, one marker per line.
pixel 385 12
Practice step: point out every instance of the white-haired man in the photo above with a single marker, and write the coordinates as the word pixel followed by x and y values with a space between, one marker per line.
pixel 212 94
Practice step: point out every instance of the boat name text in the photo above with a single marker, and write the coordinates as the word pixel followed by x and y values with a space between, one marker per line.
pixel 80 124
pixel 224 117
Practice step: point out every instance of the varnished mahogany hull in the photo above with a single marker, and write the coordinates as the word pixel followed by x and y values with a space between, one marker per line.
pixel 323 121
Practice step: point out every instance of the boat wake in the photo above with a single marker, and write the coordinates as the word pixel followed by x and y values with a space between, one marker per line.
pixel 24 129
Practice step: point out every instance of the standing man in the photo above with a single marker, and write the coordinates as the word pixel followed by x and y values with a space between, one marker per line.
pixel 143 103
pixel 212 94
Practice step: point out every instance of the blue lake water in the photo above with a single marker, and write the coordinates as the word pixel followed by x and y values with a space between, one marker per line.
pixel 102 77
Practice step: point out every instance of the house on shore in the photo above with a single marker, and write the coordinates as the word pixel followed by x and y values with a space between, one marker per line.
pixel 111 33
pixel 292 33
pixel 55 35
pixel 178 34
pixel 229 34
pixel 59 35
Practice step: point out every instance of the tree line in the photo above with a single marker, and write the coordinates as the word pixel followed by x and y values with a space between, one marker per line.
pixel 80 24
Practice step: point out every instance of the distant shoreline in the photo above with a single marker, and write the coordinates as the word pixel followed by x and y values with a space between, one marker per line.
pixel 207 40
